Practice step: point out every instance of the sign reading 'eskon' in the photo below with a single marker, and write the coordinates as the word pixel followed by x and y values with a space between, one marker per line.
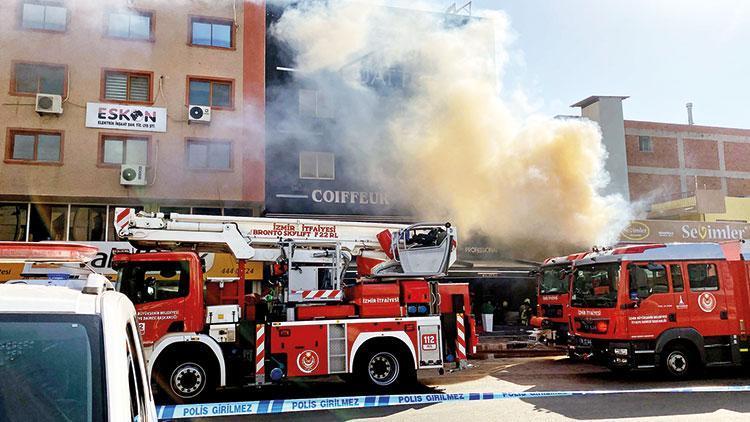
pixel 126 117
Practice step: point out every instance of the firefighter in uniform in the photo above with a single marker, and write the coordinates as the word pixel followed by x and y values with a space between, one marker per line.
pixel 524 312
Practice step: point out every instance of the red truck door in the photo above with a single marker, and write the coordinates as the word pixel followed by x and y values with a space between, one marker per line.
pixel 680 296
pixel 655 311
pixel 162 296
pixel 706 297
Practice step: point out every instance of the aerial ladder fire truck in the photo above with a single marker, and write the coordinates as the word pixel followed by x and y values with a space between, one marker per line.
pixel 305 319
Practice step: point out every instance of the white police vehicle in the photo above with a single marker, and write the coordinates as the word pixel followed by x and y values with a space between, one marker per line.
pixel 70 350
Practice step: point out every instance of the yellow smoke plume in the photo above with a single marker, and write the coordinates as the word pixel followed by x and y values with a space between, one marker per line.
pixel 458 149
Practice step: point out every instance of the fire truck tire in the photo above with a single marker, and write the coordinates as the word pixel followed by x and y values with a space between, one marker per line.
pixel 678 361
pixel 385 369
pixel 186 380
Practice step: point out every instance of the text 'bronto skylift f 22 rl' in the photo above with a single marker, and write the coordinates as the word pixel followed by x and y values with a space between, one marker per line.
pixel 287 311
pixel 679 307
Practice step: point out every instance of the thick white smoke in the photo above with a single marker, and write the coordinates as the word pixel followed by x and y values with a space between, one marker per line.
pixel 451 146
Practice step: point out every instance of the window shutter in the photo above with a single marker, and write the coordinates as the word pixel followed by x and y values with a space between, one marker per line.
pixel 139 88
pixel 116 86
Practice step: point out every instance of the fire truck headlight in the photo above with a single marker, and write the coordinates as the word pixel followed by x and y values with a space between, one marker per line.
pixel 621 352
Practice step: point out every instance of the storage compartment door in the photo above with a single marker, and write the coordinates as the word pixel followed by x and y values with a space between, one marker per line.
pixel 430 346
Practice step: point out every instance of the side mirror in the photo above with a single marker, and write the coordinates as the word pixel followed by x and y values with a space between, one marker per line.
pixel 634 296
pixel 655 267
pixel 168 273
pixel 635 301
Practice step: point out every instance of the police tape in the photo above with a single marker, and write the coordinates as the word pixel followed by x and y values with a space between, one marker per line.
pixel 261 407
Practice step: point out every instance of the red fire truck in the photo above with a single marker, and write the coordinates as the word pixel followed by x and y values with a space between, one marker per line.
pixel 301 319
pixel 674 306
pixel 553 298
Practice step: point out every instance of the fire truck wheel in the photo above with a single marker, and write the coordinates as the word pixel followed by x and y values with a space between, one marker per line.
pixel 677 361
pixel 187 381
pixel 383 370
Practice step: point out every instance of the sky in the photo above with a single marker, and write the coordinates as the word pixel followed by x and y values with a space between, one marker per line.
pixel 660 53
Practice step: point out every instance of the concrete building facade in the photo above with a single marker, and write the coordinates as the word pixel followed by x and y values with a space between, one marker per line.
pixel 125 73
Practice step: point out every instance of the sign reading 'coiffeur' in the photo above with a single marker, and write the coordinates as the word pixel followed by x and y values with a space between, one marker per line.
pixel 126 117
pixel 649 231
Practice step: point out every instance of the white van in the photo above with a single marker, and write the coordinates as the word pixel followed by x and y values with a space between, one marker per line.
pixel 70 350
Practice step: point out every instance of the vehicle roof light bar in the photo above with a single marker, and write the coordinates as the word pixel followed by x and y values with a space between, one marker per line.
pixel 46 252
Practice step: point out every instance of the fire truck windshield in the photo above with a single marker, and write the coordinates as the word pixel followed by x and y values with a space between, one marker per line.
pixel 595 286
pixel 151 281
pixel 553 280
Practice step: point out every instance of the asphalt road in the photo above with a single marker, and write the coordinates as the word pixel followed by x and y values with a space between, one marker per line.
pixel 527 374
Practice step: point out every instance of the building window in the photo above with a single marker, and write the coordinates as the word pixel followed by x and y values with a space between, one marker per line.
pixel 47 222
pixel 43 147
pixel 238 212
pixel 87 223
pixel 13 221
pixel 211 32
pixel 44 15
pixel 131 24
pixel 206 211
pixel 33 78
pixel 117 149
pixel 170 210
pixel 209 155
pixel 312 103
pixel 216 93
pixel 644 144
pixel 316 165
pixel 126 86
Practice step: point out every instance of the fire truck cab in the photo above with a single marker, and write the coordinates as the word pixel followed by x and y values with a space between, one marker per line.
pixel 302 319
pixel 678 307
pixel 553 297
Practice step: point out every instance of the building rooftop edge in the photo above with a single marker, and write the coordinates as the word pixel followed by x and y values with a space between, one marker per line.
pixel 683 127
pixel 595 98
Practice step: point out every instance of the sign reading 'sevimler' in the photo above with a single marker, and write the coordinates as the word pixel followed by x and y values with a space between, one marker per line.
pixel 657 231
pixel 126 117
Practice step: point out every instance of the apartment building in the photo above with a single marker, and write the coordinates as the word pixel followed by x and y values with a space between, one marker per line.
pixel 145 103
pixel 656 162
pixel 681 158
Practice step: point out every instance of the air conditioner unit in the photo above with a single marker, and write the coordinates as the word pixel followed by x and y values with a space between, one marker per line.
pixel 132 175
pixel 48 104
pixel 199 114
